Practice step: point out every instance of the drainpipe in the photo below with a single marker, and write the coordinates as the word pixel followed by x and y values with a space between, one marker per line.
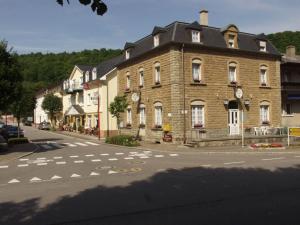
pixel 184 115
pixel 107 107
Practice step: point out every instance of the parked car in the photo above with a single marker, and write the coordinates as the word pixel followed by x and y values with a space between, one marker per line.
pixel 27 123
pixel 11 132
pixel 3 143
pixel 44 126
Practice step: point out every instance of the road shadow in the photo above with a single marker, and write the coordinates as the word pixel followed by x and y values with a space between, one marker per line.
pixel 233 196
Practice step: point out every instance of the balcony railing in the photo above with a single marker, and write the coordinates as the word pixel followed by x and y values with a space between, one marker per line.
pixel 72 86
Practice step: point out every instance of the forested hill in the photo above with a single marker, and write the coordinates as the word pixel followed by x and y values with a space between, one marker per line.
pixel 283 39
pixel 40 70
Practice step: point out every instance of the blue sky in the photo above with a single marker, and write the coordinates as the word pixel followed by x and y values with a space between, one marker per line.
pixel 44 26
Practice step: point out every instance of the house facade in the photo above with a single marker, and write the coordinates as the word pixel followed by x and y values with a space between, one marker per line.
pixel 290 87
pixel 190 79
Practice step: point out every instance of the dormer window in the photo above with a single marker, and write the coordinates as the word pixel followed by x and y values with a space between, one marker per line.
pixel 231 41
pixel 156 40
pixel 262 46
pixel 195 36
pixel 87 76
pixel 127 54
pixel 94 74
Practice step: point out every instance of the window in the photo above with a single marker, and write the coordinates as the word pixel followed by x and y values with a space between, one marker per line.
pixel 156 40
pixel 89 121
pixel 127 54
pixel 196 70
pixel 141 73
pixel 231 41
pixel 264 114
pixel 197 116
pixel 288 109
pixel 142 115
pixel 157 73
pixel 263 76
pixel 195 36
pixel 87 76
pixel 158 115
pixel 81 80
pixel 129 116
pixel 127 81
pixel 94 74
pixel 232 73
pixel 262 46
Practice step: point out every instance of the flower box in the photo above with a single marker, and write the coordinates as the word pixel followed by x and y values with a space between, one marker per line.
pixel 197 126
pixel 142 125
pixel 263 84
pixel 233 82
pixel 157 83
pixel 128 125
pixel 266 122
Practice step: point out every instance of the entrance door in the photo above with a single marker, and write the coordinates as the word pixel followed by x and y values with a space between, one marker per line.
pixel 234 124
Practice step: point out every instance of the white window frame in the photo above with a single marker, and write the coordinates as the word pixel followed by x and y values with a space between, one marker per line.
pixel 127 54
pixel 264 113
pixel 141 76
pixel 197 76
pixel 263 76
pixel 129 116
pixel 156 40
pixel 142 115
pixel 94 74
pixel 157 73
pixel 197 115
pixel 196 36
pixel 158 120
pixel 232 77
pixel 262 46
pixel 128 82
pixel 87 76
pixel 231 41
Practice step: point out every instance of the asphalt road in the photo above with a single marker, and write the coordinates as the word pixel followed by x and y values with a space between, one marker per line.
pixel 77 181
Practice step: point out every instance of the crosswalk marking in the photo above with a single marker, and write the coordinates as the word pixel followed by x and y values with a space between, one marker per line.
pixel 23 160
pixel 96 160
pixel 74 175
pixel 79 161
pixel 94 174
pixel 159 156
pixel 74 156
pixel 128 158
pixel 91 155
pixel 55 177
pixel 144 157
pixel 60 163
pixel 42 164
pixel 70 145
pixel 57 157
pixel 3 167
pixel 112 172
pixel 35 179
pixel 23 165
pixel 119 153
pixel 113 159
pixel 91 143
pixel 104 154
pixel 40 158
pixel 173 154
pixel 13 181
pixel 81 144
pixel 46 147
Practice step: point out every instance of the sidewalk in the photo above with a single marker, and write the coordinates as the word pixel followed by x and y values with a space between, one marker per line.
pixel 76 135
pixel 18 151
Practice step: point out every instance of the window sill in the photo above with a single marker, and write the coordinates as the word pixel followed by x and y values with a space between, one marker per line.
pixel 141 86
pixel 200 130
pixel 288 115
pixel 156 86
pixel 127 91
pixel 235 85
pixel 156 129
pixel 127 128
pixel 193 83
pixel 265 87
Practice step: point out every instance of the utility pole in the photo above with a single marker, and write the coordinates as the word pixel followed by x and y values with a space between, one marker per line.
pixel 99 134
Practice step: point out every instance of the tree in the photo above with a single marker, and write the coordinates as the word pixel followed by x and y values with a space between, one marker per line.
pixel 117 107
pixel 52 104
pixel 10 76
pixel 97 6
pixel 24 105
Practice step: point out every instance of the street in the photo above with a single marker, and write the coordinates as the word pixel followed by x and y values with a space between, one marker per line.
pixel 78 181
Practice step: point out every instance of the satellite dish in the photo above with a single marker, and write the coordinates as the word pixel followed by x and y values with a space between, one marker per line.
pixel 135 97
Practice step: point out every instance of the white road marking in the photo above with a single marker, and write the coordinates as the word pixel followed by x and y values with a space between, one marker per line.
pixel 75 175
pixel 94 174
pixel 81 144
pixel 90 155
pixel 144 157
pixel 70 145
pixel 13 181
pixel 112 172
pixel 297 156
pixel 159 156
pixel 128 158
pixel 74 156
pixel 105 154
pixel 230 163
pixel 3 167
pixel 147 152
pixel 79 161
pixel 55 177
pixel 23 159
pixel 207 165
pixel 270 159
pixel 46 147
pixel 61 163
pixel 42 164
pixel 35 179
pixel 133 152
pixel 57 157
pixel 173 155
pixel 113 159
pixel 41 159
pixel 119 153
pixel 91 143
pixel 23 165
pixel 96 160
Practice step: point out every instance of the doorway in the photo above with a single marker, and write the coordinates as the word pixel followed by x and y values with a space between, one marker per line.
pixel 233 118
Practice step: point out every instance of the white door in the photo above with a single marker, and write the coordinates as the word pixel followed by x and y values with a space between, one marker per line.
pixel 234 123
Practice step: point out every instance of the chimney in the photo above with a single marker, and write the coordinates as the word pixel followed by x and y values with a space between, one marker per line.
pixel 291 51
pixel 204 17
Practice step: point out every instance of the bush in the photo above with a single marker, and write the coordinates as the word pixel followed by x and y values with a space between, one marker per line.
pixel 125 140
pixel 16 141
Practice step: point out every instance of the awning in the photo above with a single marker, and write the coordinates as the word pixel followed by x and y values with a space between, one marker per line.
pixel 74 110
pixel 293 97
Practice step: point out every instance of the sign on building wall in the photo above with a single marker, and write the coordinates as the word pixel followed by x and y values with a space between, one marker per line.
pixel 293 132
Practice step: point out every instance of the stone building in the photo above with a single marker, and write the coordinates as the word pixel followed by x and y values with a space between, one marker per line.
pixel 194 80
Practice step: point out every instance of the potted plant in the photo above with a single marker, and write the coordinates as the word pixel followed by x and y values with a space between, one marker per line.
pixel 128 125
pixel 263 84
pixel 156 126
pixel 198 125
pixel 142 125
pixel 233 82
pixel 265 122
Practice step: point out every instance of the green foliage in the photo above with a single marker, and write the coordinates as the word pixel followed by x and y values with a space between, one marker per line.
pixel 41 70
pixel 52 104
pixel 97 6
pixel 283 39
pixel 15 141
pixel 125 140
pixel 10 76
pixel 117 107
